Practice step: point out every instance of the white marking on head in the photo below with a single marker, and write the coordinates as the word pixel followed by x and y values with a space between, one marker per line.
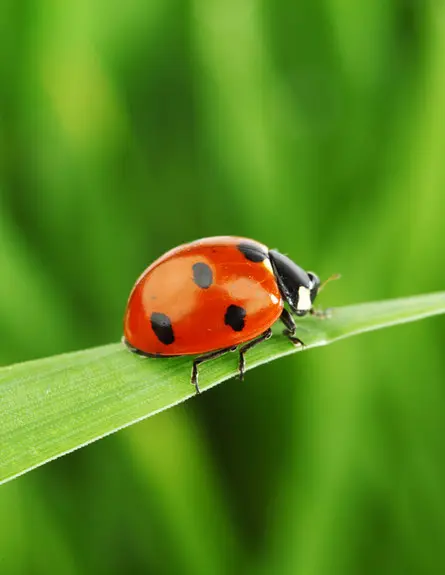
pixel 267 264
pixel 304 299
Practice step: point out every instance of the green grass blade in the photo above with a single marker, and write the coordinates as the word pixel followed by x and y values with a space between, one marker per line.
pixel 51 406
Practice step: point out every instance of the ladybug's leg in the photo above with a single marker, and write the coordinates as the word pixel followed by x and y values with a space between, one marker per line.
pixel 289 322
pixel 242 362
pixel 321 313
pixel 206 357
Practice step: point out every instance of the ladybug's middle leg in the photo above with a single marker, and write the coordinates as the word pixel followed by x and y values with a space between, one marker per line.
pixel 242 361
pixel 289 322
pixel 203 358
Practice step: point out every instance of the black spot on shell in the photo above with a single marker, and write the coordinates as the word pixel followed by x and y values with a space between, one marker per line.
pixel 162 327
pixel 252 252
pixel 234 317
pixel 202 275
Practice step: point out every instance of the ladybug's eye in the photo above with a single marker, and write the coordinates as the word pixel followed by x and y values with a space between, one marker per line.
pixel 293 281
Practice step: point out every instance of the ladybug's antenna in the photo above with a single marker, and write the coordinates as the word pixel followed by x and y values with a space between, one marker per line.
pixel 330 279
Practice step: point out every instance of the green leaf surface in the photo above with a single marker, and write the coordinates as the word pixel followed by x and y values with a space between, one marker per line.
pixel 51 406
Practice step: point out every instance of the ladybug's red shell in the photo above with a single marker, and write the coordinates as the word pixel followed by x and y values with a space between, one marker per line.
pixel 206 295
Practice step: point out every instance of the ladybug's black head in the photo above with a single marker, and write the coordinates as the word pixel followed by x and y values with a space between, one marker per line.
pixel 298 288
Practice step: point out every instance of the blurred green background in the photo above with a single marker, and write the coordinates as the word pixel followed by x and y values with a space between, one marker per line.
pixel 316 127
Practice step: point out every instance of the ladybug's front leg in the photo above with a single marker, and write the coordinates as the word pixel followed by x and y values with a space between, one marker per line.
pixel 291 328
pixel 321 313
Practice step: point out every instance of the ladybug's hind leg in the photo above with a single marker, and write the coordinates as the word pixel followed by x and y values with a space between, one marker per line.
pixel 289 332
pixel 202 359
pixel 242 361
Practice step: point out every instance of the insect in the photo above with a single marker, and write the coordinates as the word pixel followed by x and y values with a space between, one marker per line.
pixel 216 295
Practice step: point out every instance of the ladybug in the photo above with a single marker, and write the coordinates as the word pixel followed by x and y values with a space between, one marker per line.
pixel 215 295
